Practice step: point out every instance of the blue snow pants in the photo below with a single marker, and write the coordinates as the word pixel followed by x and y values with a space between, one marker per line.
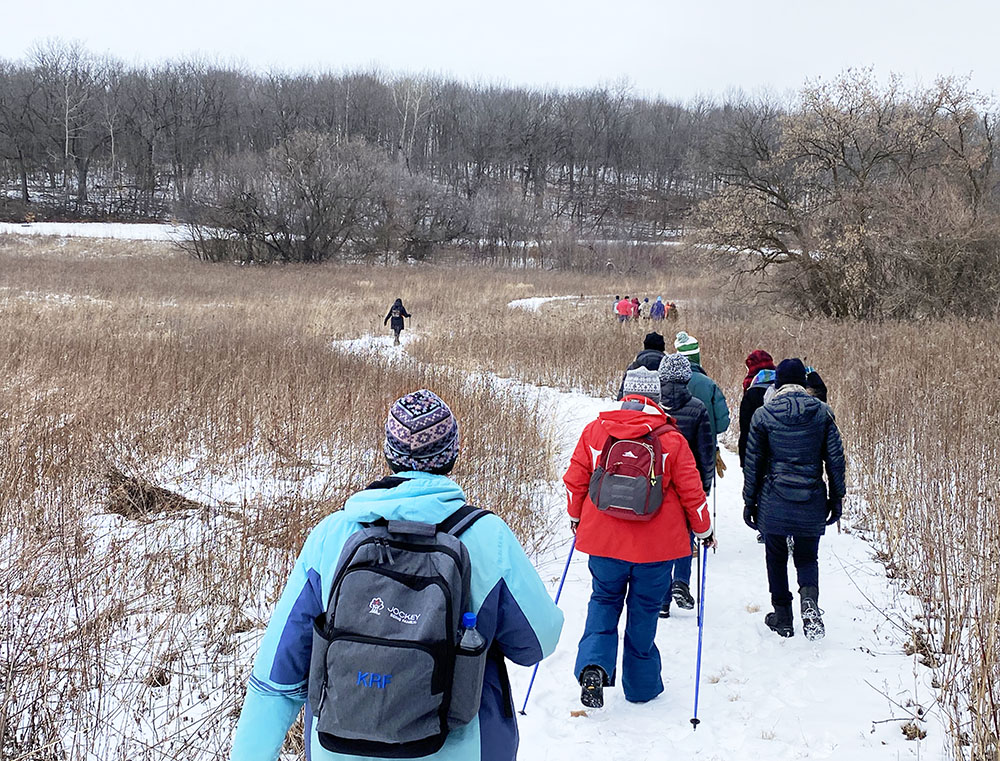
pixel 640 587
pixel 678 570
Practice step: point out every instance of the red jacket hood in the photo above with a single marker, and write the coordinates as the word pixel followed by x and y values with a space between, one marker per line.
pixel 630 424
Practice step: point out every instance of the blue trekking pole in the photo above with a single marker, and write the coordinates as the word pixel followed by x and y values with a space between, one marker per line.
pixel 703 556
pixel 558 593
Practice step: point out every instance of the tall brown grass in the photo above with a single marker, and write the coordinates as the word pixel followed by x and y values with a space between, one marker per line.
pixel 919 413
pixel 130 637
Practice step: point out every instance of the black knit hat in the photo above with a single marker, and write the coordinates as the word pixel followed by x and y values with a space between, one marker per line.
pixel 790 371
pixel 653 341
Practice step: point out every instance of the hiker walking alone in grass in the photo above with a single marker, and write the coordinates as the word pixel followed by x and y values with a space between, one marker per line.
pixel 691 418
pixel 396 314
pixel 635 528
pixel 377 649
pixel 792 438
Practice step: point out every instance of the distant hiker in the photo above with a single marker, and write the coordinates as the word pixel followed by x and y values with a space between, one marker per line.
pixel 635 307
pixel 791 439
pixel 396 313
pixel 707 390
pixel 658 310
pixel 644 309
pixel 760 377
pixel 653 346
pixel 385 684
pixel 672 312
pixel 691 418
pixel 624 309
pixel 630 538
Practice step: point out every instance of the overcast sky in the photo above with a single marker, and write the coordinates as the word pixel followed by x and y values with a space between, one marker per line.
pixel 663 47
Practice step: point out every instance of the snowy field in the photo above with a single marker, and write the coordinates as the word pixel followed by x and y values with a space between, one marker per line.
pixel 844 697
pixel 111 230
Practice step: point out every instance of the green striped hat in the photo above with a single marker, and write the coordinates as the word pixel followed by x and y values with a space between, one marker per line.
pixel 686 345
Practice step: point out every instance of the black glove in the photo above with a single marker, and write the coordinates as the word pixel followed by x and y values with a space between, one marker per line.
pixel 574 523
pixel 750 515
pixel 709 541
pixel 834 509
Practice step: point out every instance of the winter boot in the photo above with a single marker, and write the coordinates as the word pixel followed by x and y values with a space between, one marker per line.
pixel 812 619
pixel 682 595
pixel 592 684
pixel 780 622
pixel 665 610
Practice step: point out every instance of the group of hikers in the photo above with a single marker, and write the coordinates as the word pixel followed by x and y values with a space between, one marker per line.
pixel 403 607
pixel 626 309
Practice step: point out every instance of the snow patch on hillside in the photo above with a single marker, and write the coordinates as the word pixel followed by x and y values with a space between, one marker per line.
pixel 114 230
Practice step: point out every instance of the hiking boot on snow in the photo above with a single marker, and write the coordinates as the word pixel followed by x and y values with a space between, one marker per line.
pixel 780 622
pixel 682 595
pixel 665 610
pixel 592 687
pixel 812 619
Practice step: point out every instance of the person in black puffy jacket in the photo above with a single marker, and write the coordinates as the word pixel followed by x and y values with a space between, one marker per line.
pixel 691 416
pixel 753 400
pixel 791 439
pixel 653 347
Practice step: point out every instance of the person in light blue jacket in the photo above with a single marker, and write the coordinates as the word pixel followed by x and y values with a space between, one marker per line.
pixel 515 613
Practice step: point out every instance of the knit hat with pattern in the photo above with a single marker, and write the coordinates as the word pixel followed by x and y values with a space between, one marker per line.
pixel 644 382
pixel 421 433
pixel 675 367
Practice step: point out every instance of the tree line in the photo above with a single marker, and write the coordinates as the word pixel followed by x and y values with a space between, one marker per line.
pixel 85 136
pixel 854 198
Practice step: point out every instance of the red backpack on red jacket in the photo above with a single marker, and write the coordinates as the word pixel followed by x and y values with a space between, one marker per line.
pixel 627 481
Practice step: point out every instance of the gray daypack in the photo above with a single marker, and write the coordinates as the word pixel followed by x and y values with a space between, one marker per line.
pixel 387 676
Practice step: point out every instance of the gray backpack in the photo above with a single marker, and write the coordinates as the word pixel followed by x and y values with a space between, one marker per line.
pixel 387 676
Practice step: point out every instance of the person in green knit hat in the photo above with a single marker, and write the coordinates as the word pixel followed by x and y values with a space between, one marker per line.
pixel 704 388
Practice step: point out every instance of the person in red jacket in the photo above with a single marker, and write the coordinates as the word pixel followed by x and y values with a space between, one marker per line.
pixel 624 309
pixel 629 559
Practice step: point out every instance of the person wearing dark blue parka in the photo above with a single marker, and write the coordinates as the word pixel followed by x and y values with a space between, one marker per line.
pixel 792 438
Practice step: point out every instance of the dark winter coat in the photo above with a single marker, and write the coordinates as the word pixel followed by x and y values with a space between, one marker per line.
pixel 792 438
pixel 396 313
pixel 704 388
pixel 648 358
pixel 691 417
pixel 753 400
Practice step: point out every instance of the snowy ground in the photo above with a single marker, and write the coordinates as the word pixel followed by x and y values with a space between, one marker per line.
pixel 846 696
pixel 115 230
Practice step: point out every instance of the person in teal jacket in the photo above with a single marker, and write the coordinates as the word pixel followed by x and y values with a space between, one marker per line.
pixel 514 611
pixel 704 388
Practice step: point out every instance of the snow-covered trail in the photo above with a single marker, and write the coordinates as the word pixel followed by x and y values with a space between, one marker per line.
pixel 762 696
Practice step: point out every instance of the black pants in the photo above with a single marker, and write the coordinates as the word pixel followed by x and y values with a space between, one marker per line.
pixel 804 554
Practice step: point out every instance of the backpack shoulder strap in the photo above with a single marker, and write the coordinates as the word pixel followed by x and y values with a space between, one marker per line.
pixel 462 519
